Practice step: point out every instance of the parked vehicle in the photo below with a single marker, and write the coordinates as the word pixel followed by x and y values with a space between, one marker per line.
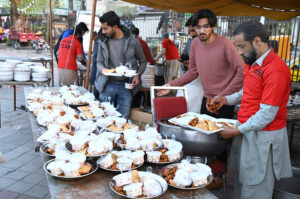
pixel 40 45
pixel 18 37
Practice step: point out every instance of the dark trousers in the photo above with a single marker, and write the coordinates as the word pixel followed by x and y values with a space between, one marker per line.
pixel 225 111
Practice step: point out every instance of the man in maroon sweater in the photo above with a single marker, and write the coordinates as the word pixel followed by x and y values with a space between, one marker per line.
pixel 215 60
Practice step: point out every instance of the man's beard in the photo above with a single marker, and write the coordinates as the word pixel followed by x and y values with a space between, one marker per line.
pixel 203 38
pixel 112 35
pixel 251 58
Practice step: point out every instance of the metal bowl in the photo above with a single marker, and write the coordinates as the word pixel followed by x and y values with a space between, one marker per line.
pixel 288 188
pixel 43 149
pixel 90 162
pixel 162 182
pixel 194 143
pixel 210 179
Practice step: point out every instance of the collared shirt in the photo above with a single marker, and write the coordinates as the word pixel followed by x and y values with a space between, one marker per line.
pixel 261 88
pixel 263 129
pixel 265 111
pixel 261 59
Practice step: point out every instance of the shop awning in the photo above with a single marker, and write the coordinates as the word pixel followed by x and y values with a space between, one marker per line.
pixel 273 9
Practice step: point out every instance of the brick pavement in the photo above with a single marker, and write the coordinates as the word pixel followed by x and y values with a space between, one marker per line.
pixel 21 175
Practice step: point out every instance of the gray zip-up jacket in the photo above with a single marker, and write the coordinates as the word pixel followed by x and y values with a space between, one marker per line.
pixel 133 54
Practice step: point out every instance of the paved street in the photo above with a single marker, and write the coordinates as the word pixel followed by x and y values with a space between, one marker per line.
pixel 21 175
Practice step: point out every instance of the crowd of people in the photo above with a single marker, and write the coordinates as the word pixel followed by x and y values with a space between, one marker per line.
pixel 212 67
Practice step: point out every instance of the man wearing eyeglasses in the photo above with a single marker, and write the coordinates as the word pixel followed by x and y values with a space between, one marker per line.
pixel 215 61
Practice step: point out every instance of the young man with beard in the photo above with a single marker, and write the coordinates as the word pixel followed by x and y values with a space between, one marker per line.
pixel 215 60
pixel 117 46
pixel 260 150
pixel 70 50
pixel 194 98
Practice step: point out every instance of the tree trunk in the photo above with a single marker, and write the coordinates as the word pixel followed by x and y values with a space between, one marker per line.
pixel 13 12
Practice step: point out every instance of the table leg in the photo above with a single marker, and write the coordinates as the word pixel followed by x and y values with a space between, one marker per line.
pixel 15 99
pixel 52 73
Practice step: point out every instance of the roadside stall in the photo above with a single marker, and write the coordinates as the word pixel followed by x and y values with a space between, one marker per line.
pixel 89 151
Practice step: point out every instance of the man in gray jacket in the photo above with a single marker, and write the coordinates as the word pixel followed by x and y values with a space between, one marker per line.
pixel 117 46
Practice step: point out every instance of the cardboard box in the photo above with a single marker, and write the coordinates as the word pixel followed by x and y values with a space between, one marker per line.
pixel 138 114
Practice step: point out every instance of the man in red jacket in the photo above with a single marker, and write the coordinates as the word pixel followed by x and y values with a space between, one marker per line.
pixel 145 46
pixel 170 51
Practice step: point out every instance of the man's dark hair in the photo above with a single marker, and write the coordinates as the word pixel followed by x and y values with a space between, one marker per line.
pixel 81 28
pixel 202 14
pixel 111 18
pixel 189 22
pixel 251 30
pixel 135 31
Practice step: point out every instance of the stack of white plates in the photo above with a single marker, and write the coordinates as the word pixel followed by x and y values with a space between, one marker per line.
pixel 22 74
pixel 24 65
pixel 148 76
pixel 6 72
pixel 13 62
pixel 40 74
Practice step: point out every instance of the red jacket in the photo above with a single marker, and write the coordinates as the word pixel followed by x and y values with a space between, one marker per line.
pixel 146 50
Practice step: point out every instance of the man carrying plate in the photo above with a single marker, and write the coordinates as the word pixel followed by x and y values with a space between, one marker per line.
pixel 118 46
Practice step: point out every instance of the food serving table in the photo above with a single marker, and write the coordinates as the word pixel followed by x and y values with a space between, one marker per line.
pixel 97 185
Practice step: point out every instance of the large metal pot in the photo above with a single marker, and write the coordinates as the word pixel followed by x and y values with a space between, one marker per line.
pixel 288 188
pixel 194 143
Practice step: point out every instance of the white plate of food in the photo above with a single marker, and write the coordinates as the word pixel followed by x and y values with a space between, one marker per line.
pixel 88 168
pixel 202 123
pixel 164 159
pixel 85 152
pixel 84 108
pixel 87 116
pixel 112 74
pixel 184 119
pixel 168 173
pixel 138 184
pixel 120 161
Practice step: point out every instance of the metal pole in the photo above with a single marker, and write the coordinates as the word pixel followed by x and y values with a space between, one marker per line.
pixel 90 45
pixel 51 42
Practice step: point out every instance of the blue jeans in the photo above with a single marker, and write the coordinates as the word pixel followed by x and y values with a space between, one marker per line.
pixel 119 95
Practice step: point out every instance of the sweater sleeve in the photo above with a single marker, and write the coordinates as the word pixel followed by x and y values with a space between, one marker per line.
pixel 191 74
pixel 237 65
pixel 140 57
pixel 260 120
